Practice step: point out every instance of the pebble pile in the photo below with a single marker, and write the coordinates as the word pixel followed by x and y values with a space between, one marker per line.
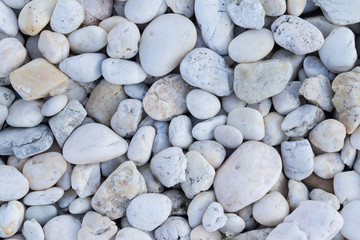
pixel 179 120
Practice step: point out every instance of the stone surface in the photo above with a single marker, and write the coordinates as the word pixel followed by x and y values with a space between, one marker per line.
pixel 12 55
pixel 257 81
pixel 53 46
pixel 228 136
pixel 342 189
pixel 37 79
pixel 199 233
pixel 54 105
pixel 313 66
pixel 60 226
pixel 205 129
pixel 21 108
pixel 139 12
pixel 198 206
pixel 295 7
pixel 12 216
pixel 212 151
pixel 136 91
pixel 173 228
pixel 265 164
pixel 214 217
pixel 274 135
pixel 130 233
pixel 327 165
pixel 85 179
pixel 44 197
pixel 274 8
pixel 153 185
pixel 180 131
pixel 102 144
pixel 258 234
pixel 183 7
pixel 289 99
pixel 7 96
pixel 67 16
pixel 350 214
pixel 42 214
pixel 247 13
pixel 87 39
pixel 8 25
pixel 318 194
pixel 202 104
pixel 233 226
pixel 140 146
pixel 298 193
pixel 32 230
pixel 179 201
pixel 13 184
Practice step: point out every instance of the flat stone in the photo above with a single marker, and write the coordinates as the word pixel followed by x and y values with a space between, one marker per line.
pixel 21 108
pixel 60 226
pixel 263 106
pixel 53 46
pixel 42 214
pixel 265 160
pixel 101 144
pixel 85 179
pixel 109 23
pixel 114 194
pixel 207 70
pixel 95 226
pixel 247 13
pixel 327 165
pixel 37 79
pixel 198 206
pixel 67 16
pixel 14 185
pixel 80 206
pixel 12 216
pixel 250 79
pixel 12 54
pixel 48 196
pixel 65 181
pixel 136 91
pixel 321 23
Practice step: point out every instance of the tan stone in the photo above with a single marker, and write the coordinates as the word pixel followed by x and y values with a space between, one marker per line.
pixel 37 79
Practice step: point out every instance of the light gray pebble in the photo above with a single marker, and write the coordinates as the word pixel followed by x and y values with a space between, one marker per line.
pixel 13 184
pixel 313 66
pixel 109 166
pixel 228 136
pixel 66 199
pixel 87 39
pixel 346 186
pixel 302 75
pixel 137 91
pixel 348 153
pixel 180 131
pixel 298 193
pixel 212 151
pixel 60 226
pixel 202 104
pixel 327 165
pixel 7 96
pixel 289 99
pixel 318 194
pixel 21 108
pixel 80 206
pixel 152 184
pixel 65 181
pixel 85 179
pixel 321 23
pixel 3 114
pixel 8 24
pixel 32 47
pixel 140 146
pixel 274 135
pixel 32 230
pixel 42 214
pixel 231 102
pixel 54 105
pixel 174 228
pixel 67 16
pixel 198 206
pixel 205 130
pixel 247 13
pixel 214 217
pixel 45 197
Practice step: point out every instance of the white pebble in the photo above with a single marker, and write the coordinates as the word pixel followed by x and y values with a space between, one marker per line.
pixel 247 13
pixel 351 213
pixel 54 105
pixel 62 226
pixel 139 12
pixel 32 230
pixel 289 99
pixel 327 165
pixel 85 179
pixel 67 16
pixel 228 136
pixel 347 186
pixel 8 24
pixel 180 131
pixel 80 206
pixel 53 46
pixel 11 218
pixel 49 196
pixel 87 39
pixel 12 55
pixel 140 146
pixel 214 217
pixel 205 129
pixel 202 104
pixel 321 195
pixel 212 151
pixel 298 193
pixel 274 135
pixel 233 226
pixel 21 108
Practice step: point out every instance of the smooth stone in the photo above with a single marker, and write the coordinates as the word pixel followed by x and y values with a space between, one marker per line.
pixel 212 151
pixel 355 139
pixel 274 135
pixel 54 105
pixel 161 140
pixel 130 233
pixel 201 170
pixel 321 195
pixel 298 193
pixel 271 209
pixel 183 7
pixel 199 233
pixel 126 119
pixel 166 98
pixel 21 108
pixel 179 202
pixel 42 214
pixel 287 56
pixel 25 142
pixel 346 186
pixel 274 8
pixel 102 144
pixel 328 136
pixel 298 159
pixel 109 23
pixel 214 217
pixel 265 164
pixel 60 226
pixel 300 121
pixel 173 228
pixel 74 91
pixel 317 90
pixel 311 220
pixel 104 101
pixel 123 40
pixel 136 91
pixel 66 121
pixel 215 24
pixel 289 99
pixel 249 121
pixel 340 43
pixel 9 22
pixel 165 35
pixel 85 179
pixel 233 226
pixel 148 211
pixel 295 7
pixel 205 129
pixel 313 66
pixel 247 13
pixel 95 226
pixel 287 29
pixel 152 184
pixel 251 46
pixel 35 15
pixel 202 104
pixel 263 106
pixel 37 79
pixel 169 166
pixel 7 96
pixel 207 70
pixel 16 4
pixel 84 67
pixel 281 185
pixel 12 55
pixel 114 194
pixel 257 81
pixel 327 165
pixel 53 46
pixel 180 132
pixel 228 136
pixel 80 206
pixel 231 102
pixel 67 16
pixel 65 201
pixel 139 12
pixel 87 39
pixel 65 181
pixel 258 234
pixel 14 185
pixel 12 216
pixel 350 214
pixel 339 11
pixel 97 9
pixel 348 153
pixel 44 170
pixel 32 230
pixel 198 206
pixel 140 146
pixel 44 197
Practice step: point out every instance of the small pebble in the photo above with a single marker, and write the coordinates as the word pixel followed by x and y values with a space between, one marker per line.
pixel 321 195
pixel 60 226
pixel 129 233
pixel 42 214
pixel 313 66
pixel 202 104
pixel 9 24
pixel 350 214
pixel 45 197
pixel 274 135
pixel 14 185
pixel 228 136
pixel 214 217
pixel 199 233
pixel 289 99
pixel 140 146
pixel 180 132
pixel 247 13
pixel 53 46
pixel 205 129
pixel 54 105
pixel 327 165
pixel 298 193
pixel 85 179
pixel 233 226
pixel 87 39
pixel 80 206
pixel 212 151
pixel 12 54
pixel 11 218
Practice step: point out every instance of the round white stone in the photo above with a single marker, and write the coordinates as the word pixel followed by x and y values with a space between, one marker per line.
pixel 228 136
pixel 60 226
pixel 49 196
pixel 87 39
pixel 231 102
pixel 205 129
pixel 313 66
pixel 347 186
pixel 233 226
pixel 25 113
pixel 327 165
pixel 32 230
pixel 180 131
pixel 295 7
pixel 202 104
pixel 8 25
pixel 140 12
pixel 67 16
pixel 173 228
pixel 212 151
pixel 140 146
pixel 298 193
pixel 54 105
pixel 13 185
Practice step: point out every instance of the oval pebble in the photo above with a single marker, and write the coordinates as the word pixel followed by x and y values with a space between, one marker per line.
pixel 13 184
pixel 54 105
pixel 45 197
pixel 202 104
pixel 205 129
pixel 21 108
pixel 8 24
pixel 67 16
pixel 11 218
pixel 53 46
pixel 60 226
pixel 228 136
pixel 12 55
pixel 87 39
pixel 212 151
pixel 139 12
pixel 351 216
pixel 140 146
pixel 180 131
pixel 327 165
pixel 42 214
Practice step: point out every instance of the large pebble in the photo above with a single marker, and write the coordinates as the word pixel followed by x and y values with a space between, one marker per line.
pixel 84 67
pixel 339 43
pixel 13 184
pixel 180 132
pixel 351 214
pixel 21 108
pixel 346 186
pixel 8 24
pixel 247 13
pixel 101 144
pixel 169 166
pixel 54 105
pixel 240 191
pixel 205 130
pixel 35 15
pixel 42 214
pixel 205 69
pixel 202 104
pixel 274 135
pixel 249 121
pixel 212 151
pixel 141 12
pixel 228 136
pixel 297 35
pixel 311 220
pixel 85 179
pixel 173 228
pixel 298 159
pixel 148 211
pixel 88 39
pixel 114 194
pixel 32 230
pixel 37 79
pixel 95 226
pixel 166 98
pixel 251 46
pixel 257 81
pixel 44 170
pixel 11 218
pixel 44 197
pixel 67 16
pixel 327 165
pixel 60 226
pixel 215 24
pixel 53 46
pixel 12 55
pixel 129 233
pixel 141 144
pixel 289 99
pixel 173 36
pixel 25 142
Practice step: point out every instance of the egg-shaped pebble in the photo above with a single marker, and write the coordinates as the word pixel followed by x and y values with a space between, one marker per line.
pixel 12 55
pixel 247 13
pixel 140 146
pixel 32 230
pixel 87 39
pixel 295 7
pixel 60 226
pixel 343 191
pixel 298 193
pixel 54 105
pixel 321 195
pixel 228 136
pixel 180 131
pixel 202 104
pixel 11 218
pixel 21 108
pixel 214 217
pixel 274 135
pixel 8 24
pixel 14 185
pixel 44 197
pixel 141 12
pixel 205 130
pixel 42 214
pixel 327 165
pixel 67 16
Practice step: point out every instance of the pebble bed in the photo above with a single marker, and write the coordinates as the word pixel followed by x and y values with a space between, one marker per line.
pixel 179 119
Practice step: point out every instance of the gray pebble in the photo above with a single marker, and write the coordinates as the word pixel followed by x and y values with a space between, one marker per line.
pixel 180 132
